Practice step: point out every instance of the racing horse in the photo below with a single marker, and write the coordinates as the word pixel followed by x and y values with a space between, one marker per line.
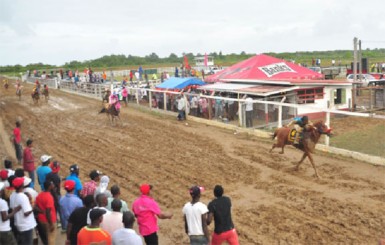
pixel 46 94
pixel 35 97
pixel 311 136
pixel 18 92
pixel 106 96
pixel 111 112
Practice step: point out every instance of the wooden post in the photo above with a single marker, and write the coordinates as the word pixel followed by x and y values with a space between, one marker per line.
pixel 165 101
pixel 149 99
pixel 240 121
pixel 266 112
pixel 185 106
pixel 327 122
pixel 280 113
pixel 370 98
pixel 137 95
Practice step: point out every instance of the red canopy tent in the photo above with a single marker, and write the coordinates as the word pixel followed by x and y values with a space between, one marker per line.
pixel 264 67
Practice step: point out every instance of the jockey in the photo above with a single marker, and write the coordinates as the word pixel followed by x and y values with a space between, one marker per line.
pixel 45 92
pixel 37 86
pixel 114 101
pixel 18 86
pixel 5 82
pixel 299 124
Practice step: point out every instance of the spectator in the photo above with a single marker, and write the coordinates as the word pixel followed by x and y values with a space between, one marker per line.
pixel 127 235
pixel 55 178
pixel 4 177
pixel 101 202
pixel 181 108
pixel 93 234
pixel 115 191
pixel 46 214
pixel 8 167
pixel 6 234
pixel 146 210
pixel 103 185
pixel 113 221
pixel 29 162
pixel 220 210
pixel 74 175
pixel 30 191
pixel 195 218
pixel 194 106
pixel 16 139
pixel 69 202
pixel 90 186
pixel 249 111
pixel 24 220
pixel 43 170
pixel 125 95
pixel 78 219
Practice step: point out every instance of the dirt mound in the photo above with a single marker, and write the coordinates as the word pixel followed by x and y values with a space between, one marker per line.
pixel 271 202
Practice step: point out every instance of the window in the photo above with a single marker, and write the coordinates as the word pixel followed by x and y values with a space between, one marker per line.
pixel 307 96
pixel 339 96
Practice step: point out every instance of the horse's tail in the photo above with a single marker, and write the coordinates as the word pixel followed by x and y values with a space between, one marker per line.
pixel 275 134
pixel 103 110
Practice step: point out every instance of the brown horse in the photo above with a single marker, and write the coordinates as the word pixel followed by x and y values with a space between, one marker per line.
pixel 111 112
pixel 46 95
pixel 35 97
pixel 308 143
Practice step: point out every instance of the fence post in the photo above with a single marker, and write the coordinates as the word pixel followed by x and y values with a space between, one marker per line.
pixel 165 101
pixel 327 122
pixel 240 118
pixel 280 113
pixel 137 96
pixel 149 98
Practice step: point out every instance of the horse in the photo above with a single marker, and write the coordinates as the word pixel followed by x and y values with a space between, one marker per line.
pixel 35 97
pixel 111 112
pixel 46 94
pixel 18 92
pixel 311 135
pixel 106 96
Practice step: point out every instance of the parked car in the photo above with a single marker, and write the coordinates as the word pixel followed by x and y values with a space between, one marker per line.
pixel 213 70
pixel 316 69
pixel 366 79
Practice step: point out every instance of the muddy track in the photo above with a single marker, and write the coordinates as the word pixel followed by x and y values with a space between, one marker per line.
pixel 272 203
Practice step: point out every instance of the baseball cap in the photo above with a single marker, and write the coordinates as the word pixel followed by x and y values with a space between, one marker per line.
pixel 55 166
pixel 145 189
pixel 69 185
pixel 94 174
pixel 96 213
pixel 27 181
pixel 18 182
pixel 4 174
pixel 45 158
pixel 74 167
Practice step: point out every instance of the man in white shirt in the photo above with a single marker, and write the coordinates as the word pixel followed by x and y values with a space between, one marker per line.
pixel 126 235
pixel 195 218
pixel 113 220
pixel 24 219
pixel 249 112
pixel 181 108
pixel 6 234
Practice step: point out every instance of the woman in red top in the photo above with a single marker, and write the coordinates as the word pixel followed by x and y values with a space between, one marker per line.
pixel 29 162
pixel 16 137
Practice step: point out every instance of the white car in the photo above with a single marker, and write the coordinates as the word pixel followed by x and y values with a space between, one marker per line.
pixel 366 79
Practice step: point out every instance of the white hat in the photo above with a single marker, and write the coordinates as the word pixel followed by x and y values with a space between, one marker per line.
pixel 104 180
pixel 45 158
pixel 27 181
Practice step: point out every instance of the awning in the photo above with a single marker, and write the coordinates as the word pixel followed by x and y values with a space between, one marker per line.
pixel 180 83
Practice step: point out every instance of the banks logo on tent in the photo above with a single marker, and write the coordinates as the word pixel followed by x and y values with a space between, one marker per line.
pixel 274 69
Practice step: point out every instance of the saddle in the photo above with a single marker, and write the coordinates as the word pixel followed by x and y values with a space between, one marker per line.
pixel 292 135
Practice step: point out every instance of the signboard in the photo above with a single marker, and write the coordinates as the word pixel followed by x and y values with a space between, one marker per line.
pixel 274 69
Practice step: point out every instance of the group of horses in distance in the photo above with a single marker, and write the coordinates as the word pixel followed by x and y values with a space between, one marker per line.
pixel 310 138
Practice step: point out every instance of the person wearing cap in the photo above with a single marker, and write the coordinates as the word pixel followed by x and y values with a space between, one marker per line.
pixel 220 210
pixel 30 191
pixel 103 187
pixel 115 192
pixel 24 220
pixel 43 170
pixel 92 233
pixel 29 162
pixel 16 139
pixel 74 175
pixel 6 234
pixel 195 218
pixel 126 235
pixel 78 219
pixel 69 202
pixel 146 210
pixel 46 217
pixel 4 177
pixel 90 186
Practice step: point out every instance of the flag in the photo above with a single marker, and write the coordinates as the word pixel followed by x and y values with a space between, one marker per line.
pixel 205 60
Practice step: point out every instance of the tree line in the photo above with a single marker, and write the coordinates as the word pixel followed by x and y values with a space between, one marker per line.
pixel 153 60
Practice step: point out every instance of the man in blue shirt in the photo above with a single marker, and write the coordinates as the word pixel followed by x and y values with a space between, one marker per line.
pixel 69 202
pixel 43 170
pixel 74 175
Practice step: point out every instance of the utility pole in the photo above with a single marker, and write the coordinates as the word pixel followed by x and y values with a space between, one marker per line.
pixel 354 72
pixel 360 60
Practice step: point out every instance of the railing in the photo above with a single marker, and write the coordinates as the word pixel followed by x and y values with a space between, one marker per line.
pixel 265 115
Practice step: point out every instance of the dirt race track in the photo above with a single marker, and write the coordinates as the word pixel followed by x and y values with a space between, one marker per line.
pixel 272 203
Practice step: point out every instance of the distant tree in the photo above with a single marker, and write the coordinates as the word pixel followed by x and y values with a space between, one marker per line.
pixel 243 53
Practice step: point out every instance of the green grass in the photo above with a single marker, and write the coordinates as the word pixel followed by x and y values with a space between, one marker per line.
pixel 370 141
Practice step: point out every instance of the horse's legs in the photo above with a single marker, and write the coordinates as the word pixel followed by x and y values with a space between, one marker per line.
pixel 312 163
pixel 282 151
pixel 300 162
pixel 272 148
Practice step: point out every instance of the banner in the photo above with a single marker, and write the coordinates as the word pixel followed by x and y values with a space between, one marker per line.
pixel 274 69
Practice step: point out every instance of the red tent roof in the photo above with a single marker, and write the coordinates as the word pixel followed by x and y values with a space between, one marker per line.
pixel 264 67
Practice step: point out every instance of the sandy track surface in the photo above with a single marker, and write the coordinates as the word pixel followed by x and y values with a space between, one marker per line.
pixel 272 203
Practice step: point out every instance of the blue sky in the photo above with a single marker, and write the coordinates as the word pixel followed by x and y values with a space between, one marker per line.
pixel 56 32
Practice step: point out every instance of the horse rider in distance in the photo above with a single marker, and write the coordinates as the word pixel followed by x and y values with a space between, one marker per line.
pixel 299 124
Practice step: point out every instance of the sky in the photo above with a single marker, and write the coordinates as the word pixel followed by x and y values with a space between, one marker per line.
pixel 55 32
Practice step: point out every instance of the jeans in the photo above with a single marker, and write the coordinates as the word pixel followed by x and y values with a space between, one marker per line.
pixel 151 239
pixel 19 152
pixel 198 240
pixel 32 176
pixel 249 119
pixel 25 237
